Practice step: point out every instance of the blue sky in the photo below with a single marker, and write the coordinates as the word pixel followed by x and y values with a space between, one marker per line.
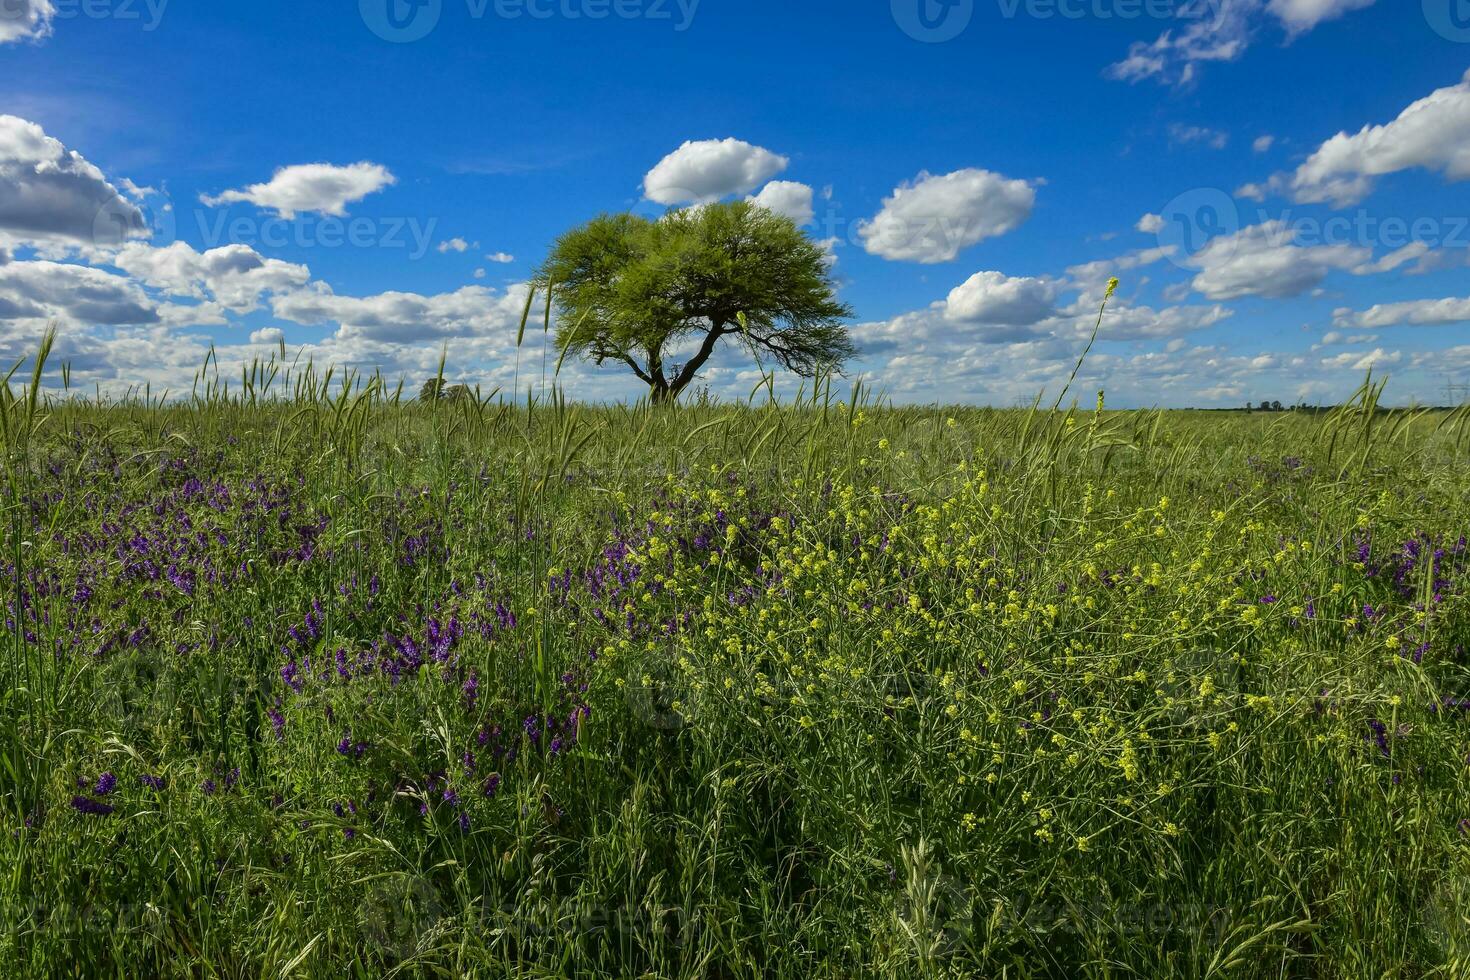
pixel 1280 184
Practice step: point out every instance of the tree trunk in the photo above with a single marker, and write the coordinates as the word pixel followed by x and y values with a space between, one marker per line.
pixel 690 371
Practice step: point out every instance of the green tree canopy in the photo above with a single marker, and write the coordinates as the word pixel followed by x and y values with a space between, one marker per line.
pixel 437 389
pixel 642 292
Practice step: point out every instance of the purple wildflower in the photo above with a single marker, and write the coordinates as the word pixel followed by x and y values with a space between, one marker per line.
pixel 90 807
pixel 1380 735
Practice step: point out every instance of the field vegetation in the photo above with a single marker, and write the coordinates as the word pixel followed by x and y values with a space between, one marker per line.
pixel 306 677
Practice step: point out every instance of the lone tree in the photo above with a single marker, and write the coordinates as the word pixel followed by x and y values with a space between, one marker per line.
pixel 437 389
pixel 641 292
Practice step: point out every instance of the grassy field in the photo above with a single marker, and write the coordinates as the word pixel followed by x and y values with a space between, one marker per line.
pixel 303 680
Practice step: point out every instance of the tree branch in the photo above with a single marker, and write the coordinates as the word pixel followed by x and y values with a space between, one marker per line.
pixel 642 375
pixel 601 353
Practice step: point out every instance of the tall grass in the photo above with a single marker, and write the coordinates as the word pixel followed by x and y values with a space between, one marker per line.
pixel 828 688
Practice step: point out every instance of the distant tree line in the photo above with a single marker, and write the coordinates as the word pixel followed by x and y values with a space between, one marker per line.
pixel 1274 406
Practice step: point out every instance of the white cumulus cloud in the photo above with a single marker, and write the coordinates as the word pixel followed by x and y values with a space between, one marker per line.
pixel 1263 260
pixel 25 20
pixel 1432 134
pixel 788 198
pixel 403 317
pixel 234 276
pixel 73 294
pixel 994 297
pixel 1376 358
pixel 322 188
pixel 933 218
pixel 706 170
pixel 52 195
pixel 1418 312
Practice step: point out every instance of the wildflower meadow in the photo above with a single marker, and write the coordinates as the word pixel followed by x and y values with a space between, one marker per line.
pixel 303 677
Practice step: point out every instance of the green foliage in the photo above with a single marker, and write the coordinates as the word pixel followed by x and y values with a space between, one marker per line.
pixel 437 389
pixel 877 691
pixel 635 291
